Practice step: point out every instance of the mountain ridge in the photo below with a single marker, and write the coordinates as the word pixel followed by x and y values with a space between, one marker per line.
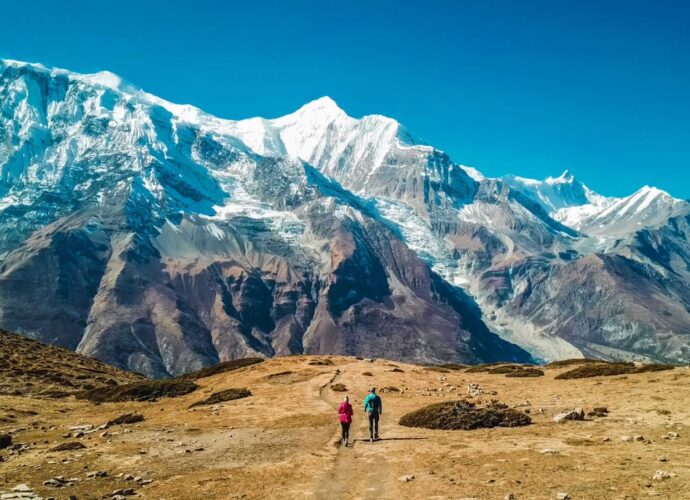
pixel 165 239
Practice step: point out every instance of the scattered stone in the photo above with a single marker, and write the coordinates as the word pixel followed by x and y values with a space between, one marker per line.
pixel 575 414
pixel 562 496
pixel 22 488
pixel 600 411
pixel 662 475
pixel 95 474
pixel 626 439
pixel 606 440
pixel 638 438
pixel 662 458
pixel 509 496
pixel 474 390
pixel 83 427
pixel 407 478
pixel 671 435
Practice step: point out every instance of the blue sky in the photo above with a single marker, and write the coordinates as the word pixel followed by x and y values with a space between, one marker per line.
pixel 531 87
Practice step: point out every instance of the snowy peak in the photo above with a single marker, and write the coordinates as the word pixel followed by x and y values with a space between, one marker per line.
pixel 322 111
pixel 565 178
pixel 555 193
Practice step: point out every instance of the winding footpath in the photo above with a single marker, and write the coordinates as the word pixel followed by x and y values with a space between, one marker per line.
pixel 362 469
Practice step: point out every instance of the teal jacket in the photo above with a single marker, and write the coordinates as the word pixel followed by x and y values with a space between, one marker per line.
pixel 372 403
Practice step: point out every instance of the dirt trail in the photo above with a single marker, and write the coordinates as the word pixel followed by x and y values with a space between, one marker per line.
pixel 360 470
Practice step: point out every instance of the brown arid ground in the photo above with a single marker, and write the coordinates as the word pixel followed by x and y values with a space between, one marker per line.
pixel 281 442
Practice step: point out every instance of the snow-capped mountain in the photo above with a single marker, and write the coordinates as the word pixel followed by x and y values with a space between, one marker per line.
pixel 160 238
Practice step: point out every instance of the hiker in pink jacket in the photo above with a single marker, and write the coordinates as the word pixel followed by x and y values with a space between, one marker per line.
pixel 345 414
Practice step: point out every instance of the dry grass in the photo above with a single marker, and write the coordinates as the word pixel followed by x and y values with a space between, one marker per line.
pixel 31 368
pixel 464 415
pixel 222 396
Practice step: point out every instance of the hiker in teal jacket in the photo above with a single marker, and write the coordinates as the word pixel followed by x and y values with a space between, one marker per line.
pixel 374 408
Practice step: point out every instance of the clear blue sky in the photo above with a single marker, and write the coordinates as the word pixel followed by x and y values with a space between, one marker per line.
pixel 526 87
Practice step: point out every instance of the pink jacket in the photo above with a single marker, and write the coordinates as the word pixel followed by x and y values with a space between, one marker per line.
pixel 345 412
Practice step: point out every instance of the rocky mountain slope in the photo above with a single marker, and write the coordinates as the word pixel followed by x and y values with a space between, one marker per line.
pixel 161 239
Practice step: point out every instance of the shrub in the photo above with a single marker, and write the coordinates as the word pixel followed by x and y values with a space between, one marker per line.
pixel 127 418
pixel 222 396
pixel 603 369
pixel 338 388
pixel 149 390
pixel 225 366
pixel 464 415
pixel 526 372
pixel 561 363
pixel 69 446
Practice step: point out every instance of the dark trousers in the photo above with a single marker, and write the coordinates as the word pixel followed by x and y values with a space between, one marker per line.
pixel 345 426
pixel 373 424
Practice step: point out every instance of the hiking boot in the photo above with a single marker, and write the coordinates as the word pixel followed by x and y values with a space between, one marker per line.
pixel 371 439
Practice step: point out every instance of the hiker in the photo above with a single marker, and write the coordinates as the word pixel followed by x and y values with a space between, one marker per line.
pixel 345 414
pixel 374 408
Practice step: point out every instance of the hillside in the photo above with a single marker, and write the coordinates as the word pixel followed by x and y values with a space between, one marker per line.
pixel 280 441
pixel 32 368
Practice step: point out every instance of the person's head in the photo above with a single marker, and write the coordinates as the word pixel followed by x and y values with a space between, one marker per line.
pixel 346 399
pixel 372 390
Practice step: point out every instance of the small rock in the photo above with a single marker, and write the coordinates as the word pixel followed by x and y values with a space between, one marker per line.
pixel 662 458
pixel 671 435
pixel 22 488
pixel 474 390
pixel 407 478
pixel 662 475
pixel 575 414
pixel 562 496
pixel 626 439
pixel 638 438
pixel 605 440
pixel 127 477
pixel 509 496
